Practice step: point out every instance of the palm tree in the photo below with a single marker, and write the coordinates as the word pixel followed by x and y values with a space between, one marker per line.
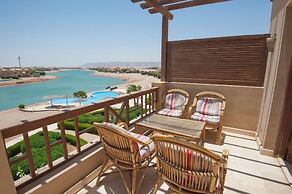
pixel 134 88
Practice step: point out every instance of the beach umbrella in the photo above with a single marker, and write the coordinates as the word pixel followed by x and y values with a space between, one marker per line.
pixel 80 100
pixel 51 97
pixel 66 97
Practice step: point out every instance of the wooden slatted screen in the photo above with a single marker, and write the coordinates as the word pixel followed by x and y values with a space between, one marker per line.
pixel 237 60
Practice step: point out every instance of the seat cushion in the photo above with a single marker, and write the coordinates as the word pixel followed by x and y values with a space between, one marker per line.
pixel 170 112
pixel 143 151
pixel 174 101
pixel 206 118
pixel 209 106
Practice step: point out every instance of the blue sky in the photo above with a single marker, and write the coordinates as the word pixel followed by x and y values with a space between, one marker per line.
pixel 74 32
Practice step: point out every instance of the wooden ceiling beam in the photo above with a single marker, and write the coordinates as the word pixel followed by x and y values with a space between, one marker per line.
pixel 159 8
pixel 192 3
pixel 161 2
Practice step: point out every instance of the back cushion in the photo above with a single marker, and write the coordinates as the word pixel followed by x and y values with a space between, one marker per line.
pixel 209 106
pixel 174 101
pixel 123 131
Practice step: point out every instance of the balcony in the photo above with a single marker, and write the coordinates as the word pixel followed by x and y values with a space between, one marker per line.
pixel 253 76
pixel 248 170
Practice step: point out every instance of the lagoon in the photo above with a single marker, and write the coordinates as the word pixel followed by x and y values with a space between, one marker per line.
pixel 67 82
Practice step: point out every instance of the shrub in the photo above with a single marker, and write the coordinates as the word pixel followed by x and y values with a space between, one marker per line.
pixel 14 149
pixel 69 125
pixel 85 121
pixel 38 150
pixel 21 106
pixel 71 139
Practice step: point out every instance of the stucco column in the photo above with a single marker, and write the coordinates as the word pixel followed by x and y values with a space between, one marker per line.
pixel 6 183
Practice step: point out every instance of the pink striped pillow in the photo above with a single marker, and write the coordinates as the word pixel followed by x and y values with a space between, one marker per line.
pixel 209 106
pixel 174 101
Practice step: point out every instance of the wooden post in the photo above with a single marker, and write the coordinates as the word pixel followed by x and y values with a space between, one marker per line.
pixel 47 145
pixel 77 134
pixel 164 40
pixel 145 101
pixel 28 154
pixel 7 183
pixel 142 109
pixel 127 111
pixel 63 135
pixel 106 114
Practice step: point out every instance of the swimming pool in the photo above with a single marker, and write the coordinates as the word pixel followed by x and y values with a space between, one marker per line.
pixel 92 98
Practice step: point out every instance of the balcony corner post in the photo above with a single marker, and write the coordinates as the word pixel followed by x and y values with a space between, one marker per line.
pixel 7 184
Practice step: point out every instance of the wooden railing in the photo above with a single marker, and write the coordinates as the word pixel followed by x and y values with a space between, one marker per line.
pixel 115 110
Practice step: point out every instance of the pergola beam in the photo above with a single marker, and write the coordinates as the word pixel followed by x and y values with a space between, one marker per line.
pixel 187 4
pixel 159 8
pixel 161 2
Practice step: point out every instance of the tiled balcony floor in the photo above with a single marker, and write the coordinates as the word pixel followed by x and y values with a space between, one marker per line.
pixel 248 172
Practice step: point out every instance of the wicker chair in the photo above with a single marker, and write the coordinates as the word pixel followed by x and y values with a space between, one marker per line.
pixel 174 103
pixel 126 151
pixel 187 167
pixel 209 106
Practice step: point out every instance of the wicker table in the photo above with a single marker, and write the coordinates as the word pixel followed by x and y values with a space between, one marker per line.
pixel 183 128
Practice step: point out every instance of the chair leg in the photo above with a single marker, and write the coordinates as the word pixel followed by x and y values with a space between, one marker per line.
pixel 157 184
pixel 134 180
pixel 219 135
pixel 102 170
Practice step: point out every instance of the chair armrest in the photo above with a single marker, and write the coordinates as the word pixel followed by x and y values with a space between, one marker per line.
pixel 223 106
pixel 122 124
pixel 192 108
pixel 225 154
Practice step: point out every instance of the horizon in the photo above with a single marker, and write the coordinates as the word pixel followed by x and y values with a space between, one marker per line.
pixel 71 34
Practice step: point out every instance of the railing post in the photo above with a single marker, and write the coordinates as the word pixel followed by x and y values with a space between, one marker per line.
pixel 106 114
pixel 63 135
pixel 155 100
pixel 28 154
pixel 145 102
pixel 7 183
pixel 142 109
pixel 127 112
pixel 152 101
pixel 77 134
pixel 47 145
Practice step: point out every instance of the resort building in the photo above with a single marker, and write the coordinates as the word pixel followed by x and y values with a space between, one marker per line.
pixel 252 74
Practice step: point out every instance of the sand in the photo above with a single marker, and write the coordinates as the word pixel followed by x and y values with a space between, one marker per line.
pixel 27 80
pixel 131 78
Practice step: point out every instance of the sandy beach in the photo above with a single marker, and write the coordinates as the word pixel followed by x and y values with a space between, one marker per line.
pixel 27 80
pixel 131 78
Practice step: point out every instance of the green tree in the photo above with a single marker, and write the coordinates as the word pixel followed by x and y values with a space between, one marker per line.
pixel 80 94
pixel 134 88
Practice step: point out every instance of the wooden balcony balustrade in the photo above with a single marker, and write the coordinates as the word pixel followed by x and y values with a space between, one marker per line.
pixel 145 100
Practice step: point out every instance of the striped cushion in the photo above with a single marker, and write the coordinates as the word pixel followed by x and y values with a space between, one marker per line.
pixel 117 128
pixel 174 101
pixel 188 159
pixel 209 106
pixel 143 152
pixel 170 112
pixel 207 118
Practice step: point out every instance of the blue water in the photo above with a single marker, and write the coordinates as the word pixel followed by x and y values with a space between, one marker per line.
pixel 66 83
pixel 93 98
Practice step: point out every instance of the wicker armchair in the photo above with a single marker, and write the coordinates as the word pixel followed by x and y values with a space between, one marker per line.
pixel 209 107
pixel 188 167
pixel 126 151
pixel 174 103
